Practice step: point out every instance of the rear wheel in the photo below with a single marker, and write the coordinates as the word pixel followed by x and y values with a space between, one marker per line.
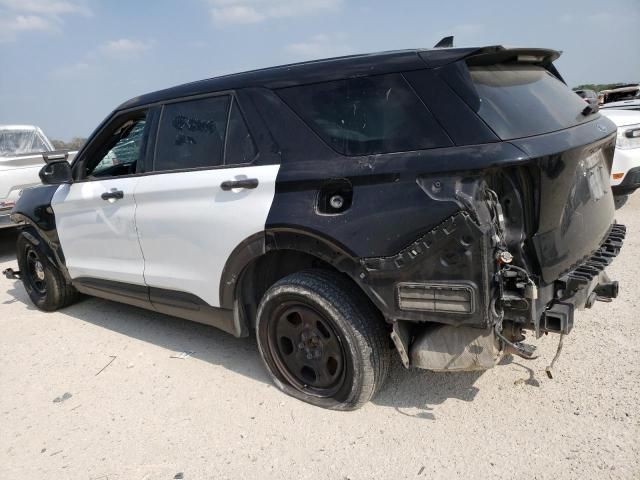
pixel 322 341
pixel 43 282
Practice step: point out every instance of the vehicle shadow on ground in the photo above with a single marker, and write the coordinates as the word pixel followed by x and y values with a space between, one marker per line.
pixel 413 392
pixel 203 342
pixel 405 390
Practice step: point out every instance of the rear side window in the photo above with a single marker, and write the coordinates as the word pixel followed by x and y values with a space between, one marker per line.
pixel 240 147
pixel 525 100
pixel 361 116
pixel 192 134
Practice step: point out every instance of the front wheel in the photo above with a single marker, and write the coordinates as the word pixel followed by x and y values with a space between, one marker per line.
pixel 44 283
pixel 322 340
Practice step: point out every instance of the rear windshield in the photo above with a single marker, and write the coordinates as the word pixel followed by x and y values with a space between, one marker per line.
pixel 525 100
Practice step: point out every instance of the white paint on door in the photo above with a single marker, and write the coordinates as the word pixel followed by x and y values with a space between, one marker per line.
pixel 188 226
pixel 98 237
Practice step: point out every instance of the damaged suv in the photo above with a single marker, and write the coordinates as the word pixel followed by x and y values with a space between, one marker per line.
pixel 436 202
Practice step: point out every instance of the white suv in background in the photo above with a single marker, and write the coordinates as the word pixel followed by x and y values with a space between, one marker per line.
pixel 625 172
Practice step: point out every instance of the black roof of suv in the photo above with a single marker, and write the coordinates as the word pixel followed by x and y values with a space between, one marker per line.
pixel 343 67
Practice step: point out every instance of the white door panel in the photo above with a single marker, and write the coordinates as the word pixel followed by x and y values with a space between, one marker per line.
pixel 188 226
pixel 98 237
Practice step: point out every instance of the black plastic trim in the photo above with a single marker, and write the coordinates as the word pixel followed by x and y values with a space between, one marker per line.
pixel 191 307
pixel 170 302
pixel 248 250
pixel 137 295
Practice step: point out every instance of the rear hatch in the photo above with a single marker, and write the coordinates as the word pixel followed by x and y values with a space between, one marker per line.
pixel 574 198
pixel 570 148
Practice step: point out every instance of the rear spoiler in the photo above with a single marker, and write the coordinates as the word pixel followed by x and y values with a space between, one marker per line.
pixel 492 55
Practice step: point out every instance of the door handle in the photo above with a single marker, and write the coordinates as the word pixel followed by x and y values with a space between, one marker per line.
pixel 249 183
pixel 113 195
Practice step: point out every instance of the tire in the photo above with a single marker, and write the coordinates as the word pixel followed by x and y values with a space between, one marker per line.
pixel 620 200
pixel 322 341
pixel 43 281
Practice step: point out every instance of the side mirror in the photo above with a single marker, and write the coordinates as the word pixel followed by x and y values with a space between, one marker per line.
pixel 56 172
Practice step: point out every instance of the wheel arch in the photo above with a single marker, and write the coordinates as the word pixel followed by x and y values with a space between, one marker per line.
pixel 264 258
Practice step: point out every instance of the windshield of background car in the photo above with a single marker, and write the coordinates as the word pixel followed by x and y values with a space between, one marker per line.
pixel 17 142
pixel 627 94
pixel 524 100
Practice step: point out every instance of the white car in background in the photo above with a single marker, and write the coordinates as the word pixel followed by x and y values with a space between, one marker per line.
pixel 620 93
pixel 22 154
pixel 622 105
pixel 625 172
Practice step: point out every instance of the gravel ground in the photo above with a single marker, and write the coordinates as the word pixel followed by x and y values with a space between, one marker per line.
pixel 214 414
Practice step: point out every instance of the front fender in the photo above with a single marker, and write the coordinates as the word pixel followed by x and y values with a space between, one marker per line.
pixel 33 208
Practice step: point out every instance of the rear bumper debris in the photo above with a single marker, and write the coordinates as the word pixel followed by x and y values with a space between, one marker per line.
pixel 445 348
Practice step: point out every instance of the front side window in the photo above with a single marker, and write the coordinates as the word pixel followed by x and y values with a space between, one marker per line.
pixel 361 116
pixel 122 151
pixel 192 134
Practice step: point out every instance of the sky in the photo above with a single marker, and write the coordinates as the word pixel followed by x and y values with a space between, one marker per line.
pixel 66 64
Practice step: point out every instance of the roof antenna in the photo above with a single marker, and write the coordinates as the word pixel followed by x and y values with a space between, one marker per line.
pixel 446 42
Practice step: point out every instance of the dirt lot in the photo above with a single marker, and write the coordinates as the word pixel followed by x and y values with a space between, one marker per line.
pixel 214 414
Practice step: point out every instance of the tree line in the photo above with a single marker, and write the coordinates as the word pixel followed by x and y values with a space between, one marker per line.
pixel 74 144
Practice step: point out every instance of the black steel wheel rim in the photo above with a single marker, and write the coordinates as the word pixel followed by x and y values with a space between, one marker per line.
pixel 306 349
pixel 35 271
